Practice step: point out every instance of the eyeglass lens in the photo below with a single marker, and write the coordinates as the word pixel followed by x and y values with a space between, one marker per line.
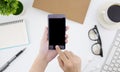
pixel 96 48
pixel 93 34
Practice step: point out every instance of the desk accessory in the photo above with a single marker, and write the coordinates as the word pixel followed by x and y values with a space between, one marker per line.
pixel 109 15
pixel 13 33
pixel 112 61
pixel 94 35
pixel 11 60
pixel 8 7
pixel 73 9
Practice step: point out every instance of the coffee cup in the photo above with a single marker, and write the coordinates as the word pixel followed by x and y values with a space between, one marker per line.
pixel 111 13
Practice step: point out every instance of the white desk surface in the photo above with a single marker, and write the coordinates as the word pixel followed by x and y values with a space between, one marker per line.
pixel 79 42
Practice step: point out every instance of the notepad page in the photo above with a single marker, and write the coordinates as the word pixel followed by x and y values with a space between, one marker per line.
pixel 13 34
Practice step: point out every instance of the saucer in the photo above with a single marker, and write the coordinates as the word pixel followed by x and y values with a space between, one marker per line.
pixel 100 17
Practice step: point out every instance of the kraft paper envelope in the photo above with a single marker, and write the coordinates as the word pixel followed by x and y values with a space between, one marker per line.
pixel 73 9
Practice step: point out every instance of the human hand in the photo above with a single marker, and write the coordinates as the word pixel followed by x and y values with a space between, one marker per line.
pixel 68 61
pixel 46 54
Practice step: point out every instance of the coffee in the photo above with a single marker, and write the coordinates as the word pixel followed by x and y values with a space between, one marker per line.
pixel 114 13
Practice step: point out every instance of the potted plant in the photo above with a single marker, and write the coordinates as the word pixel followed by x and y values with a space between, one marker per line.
pixel 8 7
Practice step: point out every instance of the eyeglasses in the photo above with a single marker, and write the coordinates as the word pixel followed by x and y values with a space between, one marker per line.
pixel 94 35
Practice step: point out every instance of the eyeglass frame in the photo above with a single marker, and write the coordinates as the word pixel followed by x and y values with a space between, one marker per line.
pixel 98 40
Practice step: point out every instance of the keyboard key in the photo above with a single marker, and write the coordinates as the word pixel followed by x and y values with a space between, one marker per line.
pixel 116 43
pixel 118 39
pixel 110 69
pixel 118 61
pixel 113 61
pixel 105 67
pixel 118 49
pixel 116 64
pixel 118 69
pixel 112 64
pixel 116 53
pixel 115 68
pixel 115 57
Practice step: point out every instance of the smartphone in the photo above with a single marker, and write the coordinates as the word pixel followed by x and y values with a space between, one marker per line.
pixel 56 30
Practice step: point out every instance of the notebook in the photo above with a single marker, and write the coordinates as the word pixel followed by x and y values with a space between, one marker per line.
pixel 73 9
pixel 13 33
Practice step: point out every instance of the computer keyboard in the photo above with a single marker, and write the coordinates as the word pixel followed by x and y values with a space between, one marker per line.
pixel 112 62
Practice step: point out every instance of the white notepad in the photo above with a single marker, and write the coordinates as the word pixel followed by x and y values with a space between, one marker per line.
pixel 13 33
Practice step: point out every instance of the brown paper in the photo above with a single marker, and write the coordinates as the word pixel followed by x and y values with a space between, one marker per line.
pixel 73 9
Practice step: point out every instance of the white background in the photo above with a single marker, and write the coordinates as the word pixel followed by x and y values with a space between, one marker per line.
pixel 79 42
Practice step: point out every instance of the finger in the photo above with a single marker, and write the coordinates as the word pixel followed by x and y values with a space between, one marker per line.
pixel 66 36
pixel 67 27
pixel 58 49
pixel 66 41
pixel 61 54
pixel 71 53
pixel 64 58
pixel 45 35
pixel 67 53
pixel 60 62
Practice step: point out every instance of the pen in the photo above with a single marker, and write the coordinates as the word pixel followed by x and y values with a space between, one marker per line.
pixel 11 60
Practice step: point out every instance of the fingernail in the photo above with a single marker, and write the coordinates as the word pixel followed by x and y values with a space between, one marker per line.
pixel 56 46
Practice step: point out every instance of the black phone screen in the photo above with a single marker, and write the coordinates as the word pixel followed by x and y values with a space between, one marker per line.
pixel 56 33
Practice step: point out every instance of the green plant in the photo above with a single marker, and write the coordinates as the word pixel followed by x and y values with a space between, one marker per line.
pixel 20 9
pixel 8 7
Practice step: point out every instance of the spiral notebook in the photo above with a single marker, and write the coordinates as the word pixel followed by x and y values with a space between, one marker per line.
pixel 13 33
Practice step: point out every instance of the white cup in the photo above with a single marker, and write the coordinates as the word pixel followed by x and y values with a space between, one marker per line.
pixel 105 14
